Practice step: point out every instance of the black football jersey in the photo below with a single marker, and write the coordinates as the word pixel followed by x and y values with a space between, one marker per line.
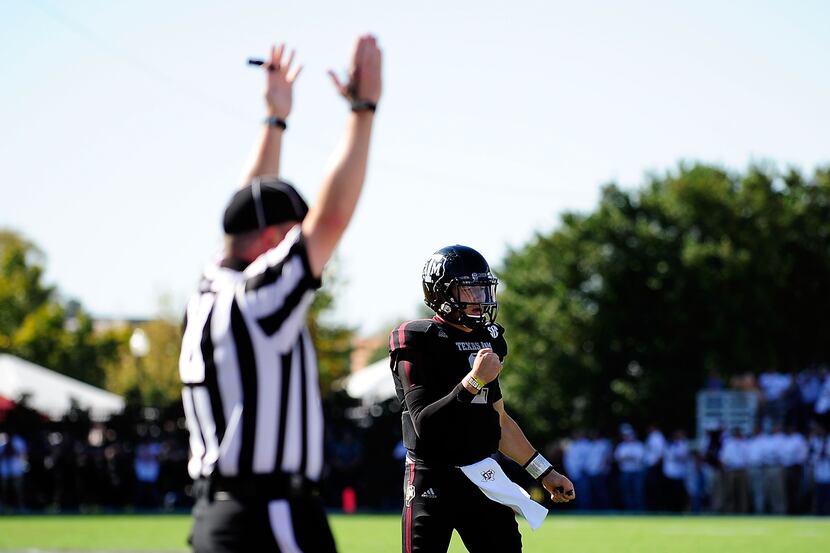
pixel 442 422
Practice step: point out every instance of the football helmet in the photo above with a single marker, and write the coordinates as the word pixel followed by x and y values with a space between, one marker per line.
pixel 459 286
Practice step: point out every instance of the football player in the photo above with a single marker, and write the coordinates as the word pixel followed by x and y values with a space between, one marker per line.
pixel 446 373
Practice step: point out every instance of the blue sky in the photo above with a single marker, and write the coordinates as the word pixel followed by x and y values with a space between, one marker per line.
pixel 126 124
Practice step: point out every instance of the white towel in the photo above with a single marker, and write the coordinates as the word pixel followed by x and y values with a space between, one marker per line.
pixel 488 476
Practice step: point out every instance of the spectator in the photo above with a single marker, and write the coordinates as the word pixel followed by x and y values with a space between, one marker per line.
pixel 655 449
pixel 13 465
pixel 630 457
pixel 774 487
pixel 713 380
pixel 794 454
pixel 575 461
pixel 792 401
pixel 675 468
pixel 744 382
pixel 699 481
pixel 597 468
pixel 147 467
pixel 809 388
pixel 774 386
pixel 822 407
pixel 118 474
pixel 346 461
pixel 711 447
pixel 755 468
pixel 734 458
pixel 821 474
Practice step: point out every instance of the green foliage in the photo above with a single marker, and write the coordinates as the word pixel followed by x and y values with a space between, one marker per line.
pixel 332 340
pixel 620 313
pixel 153 378
pixel 37 326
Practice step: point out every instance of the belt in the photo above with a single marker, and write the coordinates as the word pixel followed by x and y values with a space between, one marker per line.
pixel 256 487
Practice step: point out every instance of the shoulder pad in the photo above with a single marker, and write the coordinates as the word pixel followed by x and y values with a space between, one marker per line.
pixel 411 334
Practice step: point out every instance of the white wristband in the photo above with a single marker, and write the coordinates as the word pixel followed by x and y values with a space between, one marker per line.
pixel 538 467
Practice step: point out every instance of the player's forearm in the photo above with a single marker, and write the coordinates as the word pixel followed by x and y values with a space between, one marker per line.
pixel 265 157
pixel 328 218
pixel 513 441
pixel 427 416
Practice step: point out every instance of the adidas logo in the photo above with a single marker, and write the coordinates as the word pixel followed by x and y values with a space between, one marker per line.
pixel 430 494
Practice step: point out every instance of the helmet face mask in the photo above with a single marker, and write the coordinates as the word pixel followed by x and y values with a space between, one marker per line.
pixel 459 286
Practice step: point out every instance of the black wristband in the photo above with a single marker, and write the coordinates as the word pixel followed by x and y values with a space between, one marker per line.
pixel 363 105
pixel 274 121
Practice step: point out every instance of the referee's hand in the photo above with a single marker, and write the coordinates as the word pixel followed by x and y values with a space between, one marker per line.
pixel 364 81
pixel 561 489
pixel 280 77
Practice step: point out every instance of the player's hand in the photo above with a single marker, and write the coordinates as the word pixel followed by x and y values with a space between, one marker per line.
pixel 364 82
pixel 561 489
pixel 487 365
pixel 280 81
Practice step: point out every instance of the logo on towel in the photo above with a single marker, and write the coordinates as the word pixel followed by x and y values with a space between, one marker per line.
pixel 410 494
pixel 488 475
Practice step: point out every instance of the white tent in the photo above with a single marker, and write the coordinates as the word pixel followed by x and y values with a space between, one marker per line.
pixel 51 393
pixel 372 384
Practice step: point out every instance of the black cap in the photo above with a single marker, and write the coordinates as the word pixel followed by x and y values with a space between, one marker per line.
pixel 264 202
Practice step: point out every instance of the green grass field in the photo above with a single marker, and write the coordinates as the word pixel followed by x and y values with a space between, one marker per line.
pixel 379 534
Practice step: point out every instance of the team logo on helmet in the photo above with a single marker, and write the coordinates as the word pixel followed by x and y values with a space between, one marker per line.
pixel 434 268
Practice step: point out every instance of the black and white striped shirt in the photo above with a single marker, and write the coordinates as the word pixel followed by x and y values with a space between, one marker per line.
pixel 251 395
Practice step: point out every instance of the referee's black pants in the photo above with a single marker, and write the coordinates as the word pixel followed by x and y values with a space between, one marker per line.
pixel 223 524
pixel 440 499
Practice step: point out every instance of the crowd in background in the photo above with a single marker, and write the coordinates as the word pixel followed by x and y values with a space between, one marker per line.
pixel 794 399
pixel 775 471
pixel 782 467
pixel 138 460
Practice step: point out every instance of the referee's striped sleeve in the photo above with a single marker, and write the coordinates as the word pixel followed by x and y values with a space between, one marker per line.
pixel 279 285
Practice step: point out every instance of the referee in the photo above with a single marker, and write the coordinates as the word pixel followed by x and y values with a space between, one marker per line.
pixel 248 367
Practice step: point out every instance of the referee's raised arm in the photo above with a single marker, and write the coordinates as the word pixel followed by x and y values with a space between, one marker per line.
pixel 328 218
pixel 265 158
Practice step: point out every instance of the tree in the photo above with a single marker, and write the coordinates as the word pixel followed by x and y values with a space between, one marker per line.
pixel 152 376
pixel 37 326
pixel 619 314
pixel 332 340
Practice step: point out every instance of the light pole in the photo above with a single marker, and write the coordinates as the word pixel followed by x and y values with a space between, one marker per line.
pixel 139 347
